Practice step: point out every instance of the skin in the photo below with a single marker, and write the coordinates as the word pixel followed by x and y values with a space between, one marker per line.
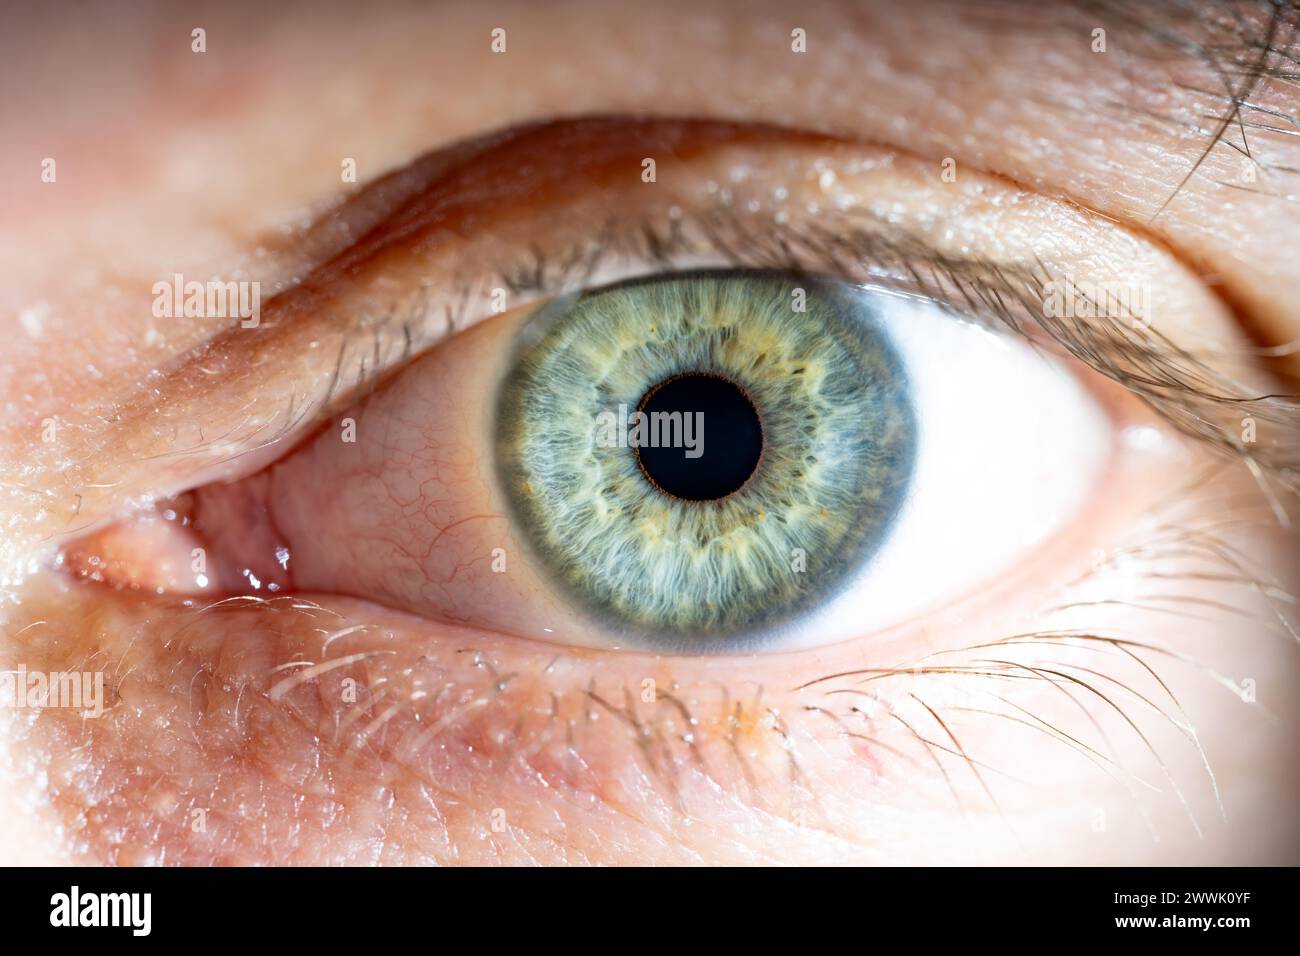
pixel 485 742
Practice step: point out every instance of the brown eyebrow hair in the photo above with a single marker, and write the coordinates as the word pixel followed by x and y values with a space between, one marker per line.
pixel 1244 48
pixel 1234 56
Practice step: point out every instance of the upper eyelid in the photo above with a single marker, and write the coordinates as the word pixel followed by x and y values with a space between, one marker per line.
pixel 986 286
pixel 997 293
pixel 362 344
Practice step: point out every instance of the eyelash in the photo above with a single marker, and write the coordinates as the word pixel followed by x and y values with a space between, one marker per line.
pixel 1188 394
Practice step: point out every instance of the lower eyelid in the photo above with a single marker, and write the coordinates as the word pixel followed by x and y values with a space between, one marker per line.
pixel 318 708
pixel 273 695
pixel 314 704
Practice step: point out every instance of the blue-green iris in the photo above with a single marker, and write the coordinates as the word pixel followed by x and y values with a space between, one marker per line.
pixel 838 434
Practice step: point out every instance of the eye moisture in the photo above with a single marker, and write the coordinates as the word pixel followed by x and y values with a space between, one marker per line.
pixel 799 452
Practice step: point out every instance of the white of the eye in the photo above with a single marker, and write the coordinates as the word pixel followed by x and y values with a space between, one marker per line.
pixel 1010 445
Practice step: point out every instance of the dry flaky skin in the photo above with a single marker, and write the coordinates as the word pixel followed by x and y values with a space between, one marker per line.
pixel 923 745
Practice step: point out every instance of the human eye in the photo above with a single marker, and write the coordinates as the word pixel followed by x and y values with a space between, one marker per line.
pixel 956 437
pixel 500 481
pixel 802 494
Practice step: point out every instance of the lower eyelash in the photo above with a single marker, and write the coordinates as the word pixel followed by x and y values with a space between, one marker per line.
pixel 889 730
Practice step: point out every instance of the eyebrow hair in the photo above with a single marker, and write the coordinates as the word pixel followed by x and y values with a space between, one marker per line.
pixel 1247 47
pixel 1225 54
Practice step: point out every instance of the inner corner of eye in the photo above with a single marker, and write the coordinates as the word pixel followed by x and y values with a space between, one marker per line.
pixel 713 461
pixel 158 550
pixel 215 541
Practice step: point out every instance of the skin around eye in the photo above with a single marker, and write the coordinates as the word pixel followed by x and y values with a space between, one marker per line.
pixel 217 709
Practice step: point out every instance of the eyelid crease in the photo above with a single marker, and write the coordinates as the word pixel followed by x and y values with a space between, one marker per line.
pixel 1007 296
pixel 351 344
pixel 1156 369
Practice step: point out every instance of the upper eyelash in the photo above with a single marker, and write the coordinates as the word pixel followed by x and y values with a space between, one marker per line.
pixel 1184 390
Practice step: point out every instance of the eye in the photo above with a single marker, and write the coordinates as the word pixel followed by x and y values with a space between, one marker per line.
pixel 923 430
pixel 692 463
pixel 709 462
pixel 404 557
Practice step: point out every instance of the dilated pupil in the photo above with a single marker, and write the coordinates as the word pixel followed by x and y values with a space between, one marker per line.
pixel 700 463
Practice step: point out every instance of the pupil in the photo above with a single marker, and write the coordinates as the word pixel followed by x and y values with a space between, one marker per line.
pixel 712 453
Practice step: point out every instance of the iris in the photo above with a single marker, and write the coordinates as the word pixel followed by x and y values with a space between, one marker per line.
pixel 769 445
